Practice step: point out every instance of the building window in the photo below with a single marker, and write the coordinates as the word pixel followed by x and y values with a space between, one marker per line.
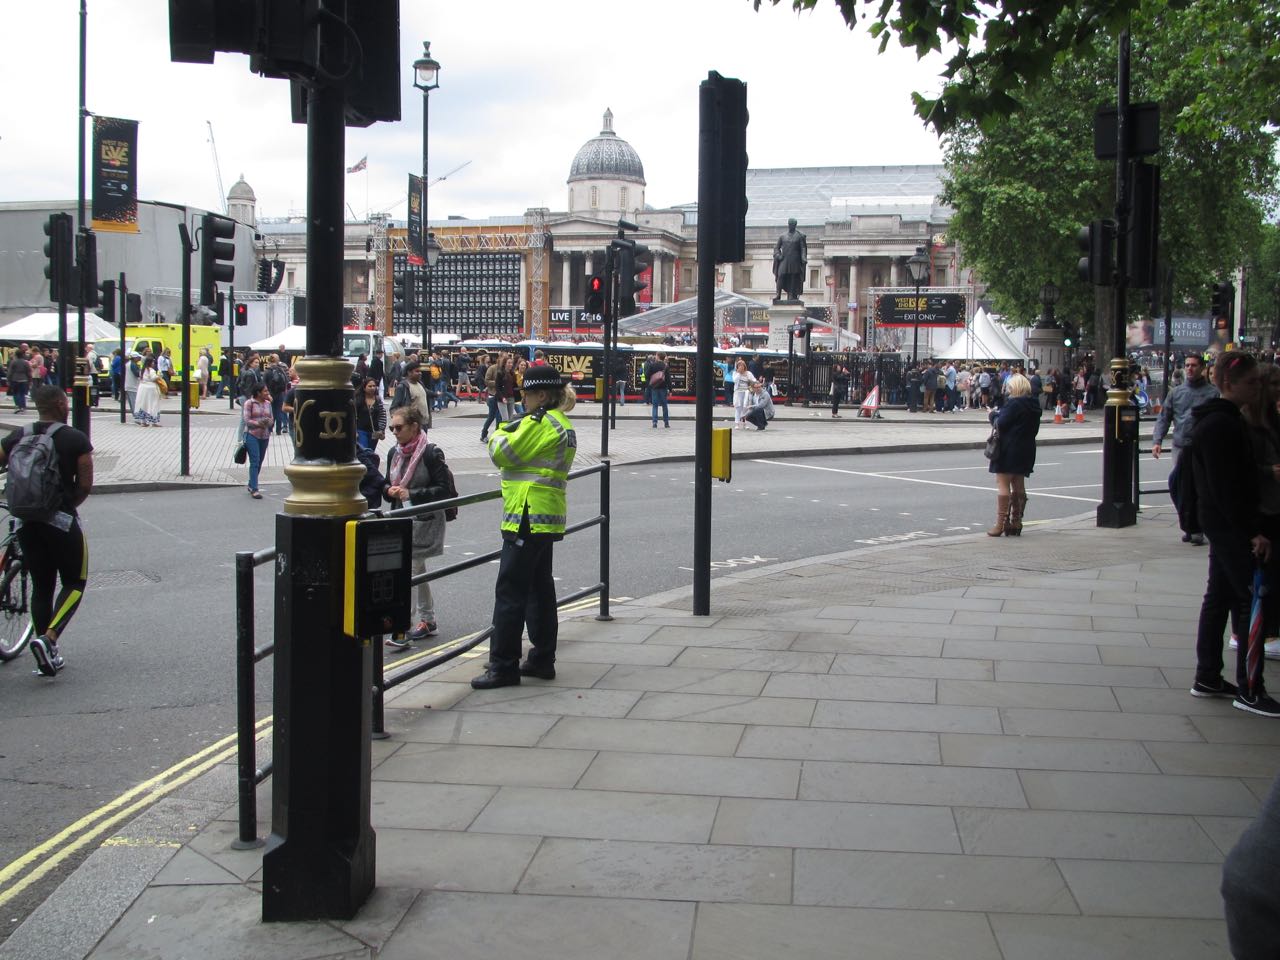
pixel 742 278
pixel 940 276
pixel 595 198
pixel 687 278
pixel 622 198
pixel 288 279
pixel 813 279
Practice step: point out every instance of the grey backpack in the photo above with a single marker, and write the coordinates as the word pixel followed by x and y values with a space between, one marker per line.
pixel 33 485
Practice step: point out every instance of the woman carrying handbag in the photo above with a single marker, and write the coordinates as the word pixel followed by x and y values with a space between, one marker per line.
pixel 1013 453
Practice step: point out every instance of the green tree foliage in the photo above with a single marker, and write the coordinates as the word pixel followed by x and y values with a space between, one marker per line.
pixel 1022 187
pixel 1262 286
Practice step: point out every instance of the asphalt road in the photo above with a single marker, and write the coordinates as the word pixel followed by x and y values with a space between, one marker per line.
pixel 150 654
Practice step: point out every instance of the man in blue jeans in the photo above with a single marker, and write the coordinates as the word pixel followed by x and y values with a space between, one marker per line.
pixel 655 375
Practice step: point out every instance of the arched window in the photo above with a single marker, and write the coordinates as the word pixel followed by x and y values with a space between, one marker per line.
pixel 622 199
pixel 595 198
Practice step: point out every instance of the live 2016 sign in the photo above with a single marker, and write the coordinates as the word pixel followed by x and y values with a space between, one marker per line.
pixel 929 310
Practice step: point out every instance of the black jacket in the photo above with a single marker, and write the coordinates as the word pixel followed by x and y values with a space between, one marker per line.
pixel 1019 422
pixel 1224 471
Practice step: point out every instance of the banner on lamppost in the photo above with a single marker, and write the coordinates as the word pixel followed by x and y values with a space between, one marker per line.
pixel 415 221
pixel 115 175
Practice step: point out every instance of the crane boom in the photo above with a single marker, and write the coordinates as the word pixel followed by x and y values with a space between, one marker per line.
pixel 217 169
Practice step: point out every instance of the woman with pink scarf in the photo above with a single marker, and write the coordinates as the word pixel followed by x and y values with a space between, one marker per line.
pixel 416 475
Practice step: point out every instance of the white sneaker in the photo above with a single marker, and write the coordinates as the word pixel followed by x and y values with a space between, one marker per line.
pixel 1270 649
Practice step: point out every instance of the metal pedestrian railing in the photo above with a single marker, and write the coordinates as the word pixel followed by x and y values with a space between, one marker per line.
pixel 249 654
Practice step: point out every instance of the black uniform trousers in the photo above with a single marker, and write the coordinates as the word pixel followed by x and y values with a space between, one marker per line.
pixel 524 597
pixel 1228 594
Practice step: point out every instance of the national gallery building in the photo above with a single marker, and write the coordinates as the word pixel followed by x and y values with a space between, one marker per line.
pixel 526 274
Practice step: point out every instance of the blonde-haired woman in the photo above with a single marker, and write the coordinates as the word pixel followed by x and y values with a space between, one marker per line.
pixel 1018 420
pixel 742 382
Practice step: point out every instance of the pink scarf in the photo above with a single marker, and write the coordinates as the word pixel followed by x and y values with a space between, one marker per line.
pixel 407 462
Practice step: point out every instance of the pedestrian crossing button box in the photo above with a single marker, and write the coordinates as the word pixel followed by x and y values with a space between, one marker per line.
pixel 376 581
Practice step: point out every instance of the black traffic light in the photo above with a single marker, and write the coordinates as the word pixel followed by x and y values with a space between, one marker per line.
pixel 1070 336
pixel 801 329
pixel 1223 303
pixel 217 251
pixel 400 293
pixel 220 309
pixel 133 308
pixel 731 168
pixel 87 267
pixel 595 295
pixel 242 314
pixel 107 309
pixel 1097 242
pixel 264 275
pixel 632 263
pixel 58 251
pixel 1143 241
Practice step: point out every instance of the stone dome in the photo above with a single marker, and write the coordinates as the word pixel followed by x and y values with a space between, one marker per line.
pixel 607 157
pixel 241 191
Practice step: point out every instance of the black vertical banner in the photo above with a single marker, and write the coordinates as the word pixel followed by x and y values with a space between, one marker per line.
pixel 415 220
pixel 115 175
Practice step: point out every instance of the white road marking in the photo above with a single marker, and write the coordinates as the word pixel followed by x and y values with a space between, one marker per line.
pixel 890 476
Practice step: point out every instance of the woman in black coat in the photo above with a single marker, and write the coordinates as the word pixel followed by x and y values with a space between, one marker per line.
pixel 1018 421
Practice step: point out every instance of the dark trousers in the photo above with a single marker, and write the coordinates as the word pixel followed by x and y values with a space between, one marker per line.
pixel 756 416
pixel 1228 593
pixel 524 597
pixel 53 555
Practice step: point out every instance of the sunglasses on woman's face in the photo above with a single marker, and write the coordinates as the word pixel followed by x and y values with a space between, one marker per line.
pixel 397 427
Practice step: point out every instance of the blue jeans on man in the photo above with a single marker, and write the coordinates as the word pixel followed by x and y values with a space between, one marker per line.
pixel 658 398
pixel 19 393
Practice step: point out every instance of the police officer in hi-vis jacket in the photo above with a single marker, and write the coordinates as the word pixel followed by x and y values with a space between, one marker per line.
pixel 535 454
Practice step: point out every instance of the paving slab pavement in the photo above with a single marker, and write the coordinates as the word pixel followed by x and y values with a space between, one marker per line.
pixel 872 753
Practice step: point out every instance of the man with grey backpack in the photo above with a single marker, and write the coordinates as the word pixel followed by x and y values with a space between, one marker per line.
pixel 49 474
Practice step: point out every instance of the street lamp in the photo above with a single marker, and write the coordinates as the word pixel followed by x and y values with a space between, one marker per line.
pixel 1049 294
pixel 426 77
pixel 918 267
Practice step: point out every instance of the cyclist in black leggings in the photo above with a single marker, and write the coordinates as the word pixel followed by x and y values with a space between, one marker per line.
pixel 56 549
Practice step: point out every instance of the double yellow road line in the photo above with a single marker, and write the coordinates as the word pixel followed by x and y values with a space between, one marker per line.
pixel 38 862
pixel 41 860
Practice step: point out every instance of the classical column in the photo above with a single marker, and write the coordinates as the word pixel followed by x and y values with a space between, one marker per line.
pixel 854 296
pixel 894 279
pixel 564 278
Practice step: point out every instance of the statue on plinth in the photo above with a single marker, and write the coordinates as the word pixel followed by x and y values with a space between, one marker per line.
pixel 790 255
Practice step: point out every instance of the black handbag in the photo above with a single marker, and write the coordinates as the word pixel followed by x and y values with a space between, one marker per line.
pixel 992 449
pixel 241 456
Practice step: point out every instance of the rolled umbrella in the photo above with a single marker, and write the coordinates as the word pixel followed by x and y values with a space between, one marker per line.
pixel 1253 652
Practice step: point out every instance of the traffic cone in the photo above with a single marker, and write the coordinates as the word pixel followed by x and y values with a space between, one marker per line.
pixel 1080 413
pixel 1057 414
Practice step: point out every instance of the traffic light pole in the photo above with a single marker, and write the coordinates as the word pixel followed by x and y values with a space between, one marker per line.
pixel 1119 506
pixel 708 218
pixel 83 397
pixel 185 307
pixel 123 319
pixel 608 316
pixel 233 387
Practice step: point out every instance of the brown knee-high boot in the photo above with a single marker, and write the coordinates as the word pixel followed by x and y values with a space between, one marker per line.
pixel 1003 501
pixel 1014 527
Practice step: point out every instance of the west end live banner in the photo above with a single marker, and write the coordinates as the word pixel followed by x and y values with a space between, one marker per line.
pixel 415 220
pixel 115 175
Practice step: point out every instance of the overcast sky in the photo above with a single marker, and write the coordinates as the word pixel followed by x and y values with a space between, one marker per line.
pixel 522 86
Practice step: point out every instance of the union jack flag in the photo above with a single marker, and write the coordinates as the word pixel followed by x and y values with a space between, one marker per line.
pixel 364 162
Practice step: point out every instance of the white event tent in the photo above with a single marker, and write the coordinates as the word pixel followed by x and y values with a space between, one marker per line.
pixel 984 340
pixel 43 328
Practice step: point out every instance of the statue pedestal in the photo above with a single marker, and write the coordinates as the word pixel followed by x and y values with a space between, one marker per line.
pixel 782 316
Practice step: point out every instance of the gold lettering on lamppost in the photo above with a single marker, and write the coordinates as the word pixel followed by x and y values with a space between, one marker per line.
pixel 298 436
pixel 334 425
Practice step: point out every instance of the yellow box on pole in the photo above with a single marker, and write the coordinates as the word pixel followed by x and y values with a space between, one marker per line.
pixel 722 453
pixel 599 389
pixel 194 389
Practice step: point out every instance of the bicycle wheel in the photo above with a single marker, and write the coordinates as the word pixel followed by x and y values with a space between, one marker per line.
pixel 15 616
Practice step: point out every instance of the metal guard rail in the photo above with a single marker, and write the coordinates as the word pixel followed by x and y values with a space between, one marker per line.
pixel 249 655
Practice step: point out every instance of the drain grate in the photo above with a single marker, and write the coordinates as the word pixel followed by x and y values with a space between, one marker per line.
pixel 106 579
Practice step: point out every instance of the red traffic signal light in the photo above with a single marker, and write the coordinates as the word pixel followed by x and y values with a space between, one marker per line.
pixel 595 296
pixel 242 314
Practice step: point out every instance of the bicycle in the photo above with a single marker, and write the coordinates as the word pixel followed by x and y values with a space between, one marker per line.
pixel 15 594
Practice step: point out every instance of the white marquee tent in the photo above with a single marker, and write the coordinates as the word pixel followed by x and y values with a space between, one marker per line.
pixel 984 340
pixel 43 328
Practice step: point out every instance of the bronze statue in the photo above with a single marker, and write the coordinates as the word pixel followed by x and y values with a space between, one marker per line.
pixel 790 255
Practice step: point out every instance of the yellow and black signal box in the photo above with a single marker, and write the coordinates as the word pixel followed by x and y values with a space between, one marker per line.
pixel 377 591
